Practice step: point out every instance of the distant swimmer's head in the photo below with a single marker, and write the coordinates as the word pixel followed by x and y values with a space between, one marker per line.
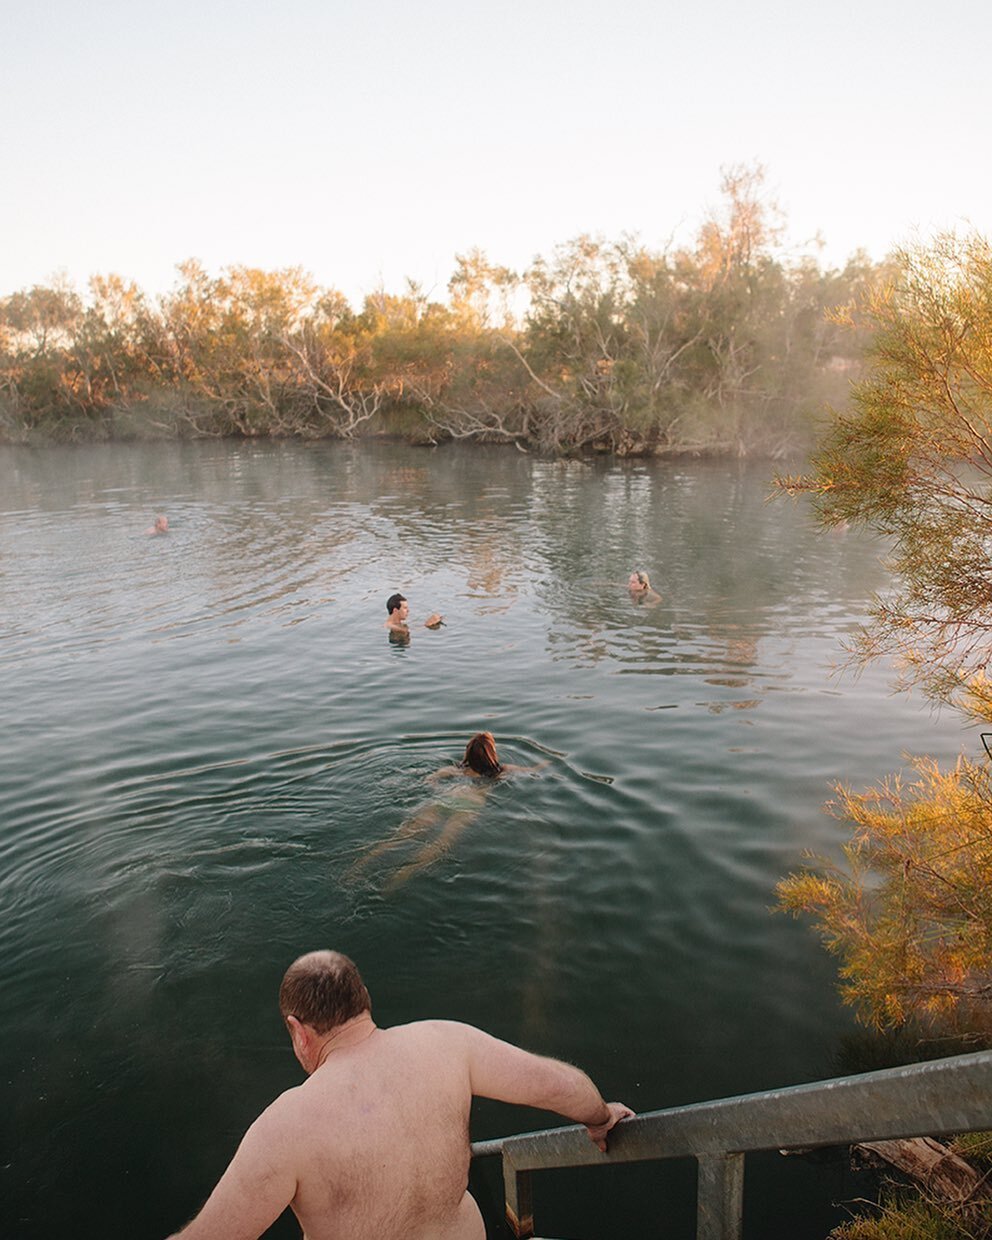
pixel 323 990
pixel 396 605
pixel 162 523
pixel 638 581
pixel 480 755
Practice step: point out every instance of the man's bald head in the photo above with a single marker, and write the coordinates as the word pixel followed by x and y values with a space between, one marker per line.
pixel 323 989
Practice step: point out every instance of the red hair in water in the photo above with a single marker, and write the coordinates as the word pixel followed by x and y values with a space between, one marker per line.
pixel 480 755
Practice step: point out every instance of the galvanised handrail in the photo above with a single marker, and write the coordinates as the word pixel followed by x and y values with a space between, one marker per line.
pixel 925 1099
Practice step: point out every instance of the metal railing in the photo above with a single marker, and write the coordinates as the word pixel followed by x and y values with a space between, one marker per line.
pixel 926 1099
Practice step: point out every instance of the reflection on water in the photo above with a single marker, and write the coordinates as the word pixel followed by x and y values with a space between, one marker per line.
pixel 215 761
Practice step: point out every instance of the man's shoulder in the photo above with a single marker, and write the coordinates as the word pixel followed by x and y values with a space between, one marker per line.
pixel 284 1109
pixel 452 1032
pixel 436 1024
pixel 275 1128
pixel 447 1042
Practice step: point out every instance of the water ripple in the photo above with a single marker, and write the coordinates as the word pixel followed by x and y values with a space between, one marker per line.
pixel 211 739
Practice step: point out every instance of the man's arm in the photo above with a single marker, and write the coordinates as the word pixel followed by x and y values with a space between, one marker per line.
pixel 254 1190
pixel 505 1072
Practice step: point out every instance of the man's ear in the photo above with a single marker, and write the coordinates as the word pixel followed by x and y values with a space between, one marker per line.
pixel 300 1035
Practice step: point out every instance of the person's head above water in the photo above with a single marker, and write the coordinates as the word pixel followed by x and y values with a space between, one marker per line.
pixel 480 755
pixel 323 989
pixel 638 581
pixel 395 603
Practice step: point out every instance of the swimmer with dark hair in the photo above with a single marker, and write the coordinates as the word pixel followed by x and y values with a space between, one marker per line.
pixel 450 811
pixel 481 759
pixel 398 609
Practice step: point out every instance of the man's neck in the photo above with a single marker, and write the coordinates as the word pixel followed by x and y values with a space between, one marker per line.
pixel 352 1033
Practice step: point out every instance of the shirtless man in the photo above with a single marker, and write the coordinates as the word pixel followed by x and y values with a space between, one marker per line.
pixel 374 1144
pixel 161 525
pixel 399 609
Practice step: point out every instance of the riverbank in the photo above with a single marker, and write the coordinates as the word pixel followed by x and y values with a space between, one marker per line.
pixel 161 421
pixel 601 348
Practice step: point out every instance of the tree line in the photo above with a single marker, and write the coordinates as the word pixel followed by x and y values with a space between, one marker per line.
pixel 719 346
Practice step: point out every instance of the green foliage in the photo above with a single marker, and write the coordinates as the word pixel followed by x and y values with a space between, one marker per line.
pixel 905 1215
pixel 910 915
pixel 975 1148
pixel 913 459
pixel 715 348
pixel 600 345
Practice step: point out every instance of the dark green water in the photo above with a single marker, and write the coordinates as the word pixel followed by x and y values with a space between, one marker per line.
pixel 206 733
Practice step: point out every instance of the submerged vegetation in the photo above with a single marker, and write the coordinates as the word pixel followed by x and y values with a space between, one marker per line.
pixel 719 347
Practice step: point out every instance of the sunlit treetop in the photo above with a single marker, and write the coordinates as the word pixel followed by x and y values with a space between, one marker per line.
pixel 913 460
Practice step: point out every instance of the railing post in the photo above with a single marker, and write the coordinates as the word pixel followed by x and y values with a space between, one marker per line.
pixel 937 1097
pixel 519 1200
pixel 719 1196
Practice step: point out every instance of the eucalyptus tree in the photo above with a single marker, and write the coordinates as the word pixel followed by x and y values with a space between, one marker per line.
pixel 106 364
pixel 575 336
pixel 38 327
pixel 222 346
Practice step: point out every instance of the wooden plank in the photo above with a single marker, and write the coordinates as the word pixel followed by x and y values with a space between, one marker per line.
pixel 928 1162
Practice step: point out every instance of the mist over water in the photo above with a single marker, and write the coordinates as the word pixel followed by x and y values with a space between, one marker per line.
pixel 208 734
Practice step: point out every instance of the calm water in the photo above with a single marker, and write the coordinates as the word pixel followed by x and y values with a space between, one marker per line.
pixel 208 734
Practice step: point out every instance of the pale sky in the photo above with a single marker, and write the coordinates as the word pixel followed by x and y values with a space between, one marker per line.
pixel 371 142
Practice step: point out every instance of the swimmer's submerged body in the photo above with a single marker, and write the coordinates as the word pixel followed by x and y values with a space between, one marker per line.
pixel 451 811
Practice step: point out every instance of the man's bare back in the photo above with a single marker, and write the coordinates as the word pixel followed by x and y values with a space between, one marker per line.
pixel 377 1138
pixel 375 1143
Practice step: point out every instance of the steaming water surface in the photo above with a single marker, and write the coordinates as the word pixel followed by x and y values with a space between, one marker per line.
pixel 208 734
